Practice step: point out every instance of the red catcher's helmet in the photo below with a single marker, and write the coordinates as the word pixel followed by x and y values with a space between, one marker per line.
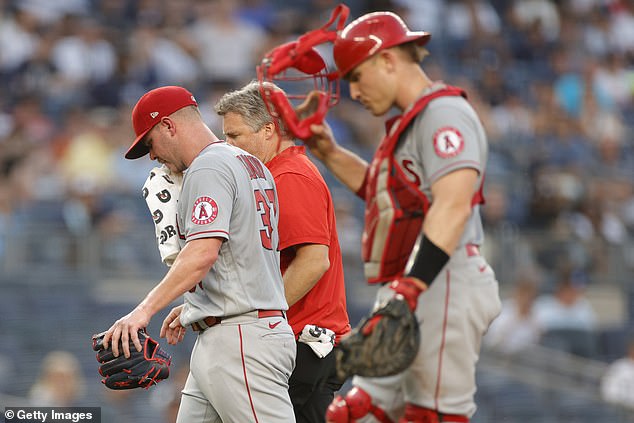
pixel 370 34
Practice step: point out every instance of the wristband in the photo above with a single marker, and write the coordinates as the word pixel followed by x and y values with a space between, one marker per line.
pixel 429 261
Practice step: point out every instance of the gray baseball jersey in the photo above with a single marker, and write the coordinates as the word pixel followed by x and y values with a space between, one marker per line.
pixel 218 200
pixel 446 137
pixel 463 299
pixel 240 367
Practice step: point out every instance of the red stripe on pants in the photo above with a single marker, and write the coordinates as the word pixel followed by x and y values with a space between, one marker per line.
pixel 244 371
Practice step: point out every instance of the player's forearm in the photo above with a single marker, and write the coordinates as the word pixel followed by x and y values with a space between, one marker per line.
pixel 450 209
pixel 347 167
pixel 174 284
pixel 444 226
pixel 191 266
pixel 304 272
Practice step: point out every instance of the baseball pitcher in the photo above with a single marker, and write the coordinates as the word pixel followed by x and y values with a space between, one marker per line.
pixel 227 270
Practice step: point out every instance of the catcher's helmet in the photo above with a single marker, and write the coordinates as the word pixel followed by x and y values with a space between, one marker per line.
pixel 370 34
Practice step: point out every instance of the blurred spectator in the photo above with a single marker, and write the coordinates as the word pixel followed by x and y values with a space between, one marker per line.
pixel 566 147
pixel 598 120
pixel 553 190
pixel 87 157
pixel 614 78
pixel 622 27
pixel 468 22
pixel 566 316
pixel 594 222
pixel 227 45
pixel 569 86
pixel 596 29
pixel 492 87
pixel 18 40
pixel 30 128
pixel 81 59
pixel 567 307
pixel 617 384
pixel 114 15
pixel 424 14
pixel 60 383
pixel 516 327
pixel 589 227
pixel 155 59
pixel 85 55
pixel 540 14
pixel 512 117
pixel 36 76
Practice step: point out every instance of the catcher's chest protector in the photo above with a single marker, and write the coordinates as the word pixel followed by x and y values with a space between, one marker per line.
pixel 395 207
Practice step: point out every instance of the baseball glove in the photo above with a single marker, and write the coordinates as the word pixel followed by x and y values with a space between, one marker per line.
pixel 384 344
pixel 141 370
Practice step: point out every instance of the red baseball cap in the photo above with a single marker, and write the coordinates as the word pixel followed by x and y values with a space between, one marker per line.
pixel 151 108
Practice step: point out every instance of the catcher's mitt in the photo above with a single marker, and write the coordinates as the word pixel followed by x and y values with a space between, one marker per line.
pixel 141 370
pixel 384 344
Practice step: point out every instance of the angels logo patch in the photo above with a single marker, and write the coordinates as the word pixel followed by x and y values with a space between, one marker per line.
pixel 205 211
pixel 448 142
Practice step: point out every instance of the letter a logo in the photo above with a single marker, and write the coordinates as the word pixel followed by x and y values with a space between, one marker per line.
pixel 205 211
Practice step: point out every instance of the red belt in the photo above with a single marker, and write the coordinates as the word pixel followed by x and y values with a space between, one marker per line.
pixel 210 321
pixel 472 250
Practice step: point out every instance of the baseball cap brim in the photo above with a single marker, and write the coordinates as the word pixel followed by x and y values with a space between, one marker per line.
pixel 138 149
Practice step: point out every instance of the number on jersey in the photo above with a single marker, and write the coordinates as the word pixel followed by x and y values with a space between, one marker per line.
pixel 264 201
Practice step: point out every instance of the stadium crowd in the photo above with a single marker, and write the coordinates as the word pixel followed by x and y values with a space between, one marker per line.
pixel 553 81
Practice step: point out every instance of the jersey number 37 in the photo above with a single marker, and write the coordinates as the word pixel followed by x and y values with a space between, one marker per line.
pixel 264 202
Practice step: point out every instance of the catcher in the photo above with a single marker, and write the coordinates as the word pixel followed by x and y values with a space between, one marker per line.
pixel 422 232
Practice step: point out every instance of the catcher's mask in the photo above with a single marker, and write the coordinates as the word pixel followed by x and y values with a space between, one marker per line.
pixel 298 61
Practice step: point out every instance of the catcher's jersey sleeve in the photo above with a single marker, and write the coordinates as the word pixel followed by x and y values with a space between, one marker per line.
pixel 452 138
pixel 445 137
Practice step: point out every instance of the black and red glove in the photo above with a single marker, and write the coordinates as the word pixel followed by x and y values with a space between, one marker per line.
pixel 141 370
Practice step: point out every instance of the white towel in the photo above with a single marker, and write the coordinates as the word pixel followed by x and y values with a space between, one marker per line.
pixel 321 340
pixel 161 191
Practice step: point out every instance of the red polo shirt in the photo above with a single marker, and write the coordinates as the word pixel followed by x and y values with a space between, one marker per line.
pixel 307 216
